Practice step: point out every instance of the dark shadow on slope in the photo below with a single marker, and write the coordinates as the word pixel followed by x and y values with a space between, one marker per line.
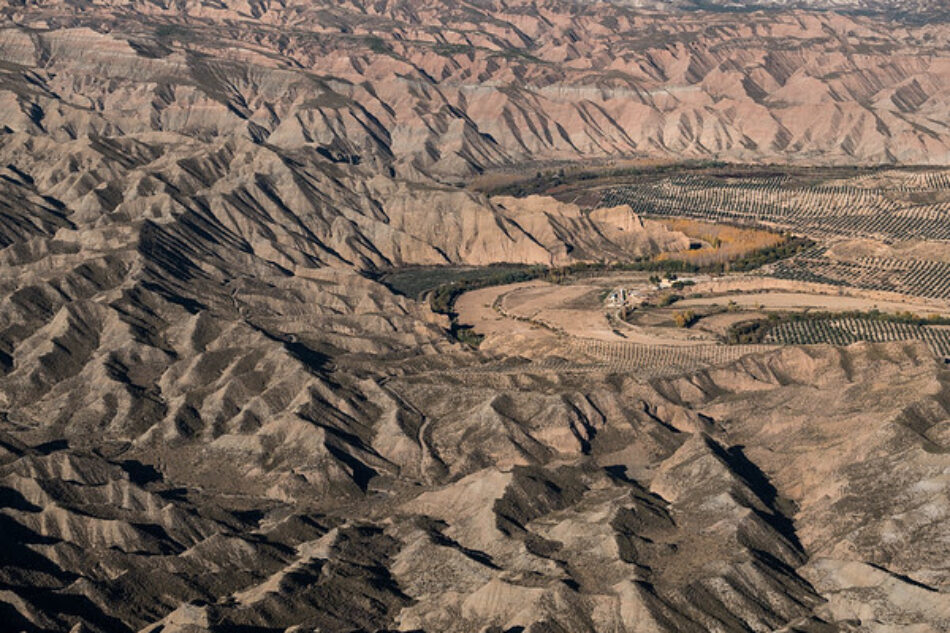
pixel 359 472
pixel 13 499
pixel 77 606
pixel 314 361
pixel 139 473
pixel 903 578
pixel 48 448
pixel 759 484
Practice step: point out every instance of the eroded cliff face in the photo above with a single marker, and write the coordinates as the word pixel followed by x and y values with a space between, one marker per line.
pixel 211 420
pixel 321 134
pixel 449 90
pixel 749 496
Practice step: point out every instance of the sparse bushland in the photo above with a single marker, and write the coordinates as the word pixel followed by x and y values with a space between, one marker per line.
pixel 417 282
pixel 466 335
pixel 442 286
pixel 792 245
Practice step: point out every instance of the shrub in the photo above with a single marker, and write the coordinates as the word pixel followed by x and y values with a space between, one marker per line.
pixel 684 319
pixel 468 336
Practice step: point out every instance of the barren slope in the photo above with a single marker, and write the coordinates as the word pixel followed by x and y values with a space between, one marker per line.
pixel 573 503
pixel 212 419
pixel 450 89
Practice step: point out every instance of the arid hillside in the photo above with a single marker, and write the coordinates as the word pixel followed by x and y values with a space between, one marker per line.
pixel 214 417
pixel 449 89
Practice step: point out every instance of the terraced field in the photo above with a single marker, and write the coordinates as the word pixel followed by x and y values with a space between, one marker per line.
pixel 641 360
pixel 851 330
pixel 894 205
pixel 831 206
pixel 917 277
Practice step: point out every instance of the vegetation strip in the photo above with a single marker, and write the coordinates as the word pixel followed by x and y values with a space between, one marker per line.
pixel 559 179
pixel 842 328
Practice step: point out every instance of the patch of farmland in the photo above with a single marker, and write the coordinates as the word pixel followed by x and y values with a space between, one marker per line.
pixel 846 331
pixel 917 277
pixel 638 359
pixel 912 207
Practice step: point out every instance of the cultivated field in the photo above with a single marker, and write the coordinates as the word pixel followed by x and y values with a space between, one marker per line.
pixel 569 328
pixel 641 360
pixel 891 205
pixel 916 277
pixel 785 300
pixel 880 240
pixel 851 330
pixel 885 207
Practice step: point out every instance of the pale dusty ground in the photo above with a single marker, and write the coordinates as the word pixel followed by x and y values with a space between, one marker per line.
pixel 800 300
pixel 743 283
pixel 576 310
pixel 475 308
pixel 535 313
pixel 538 318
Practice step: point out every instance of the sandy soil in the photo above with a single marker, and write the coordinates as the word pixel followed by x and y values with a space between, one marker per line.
pixel 476 309
pixel 719 324
pixel 801 300
pixel 755 285
pixel 536 313
pixel 537 318
pixel 504 334
pixel 574 309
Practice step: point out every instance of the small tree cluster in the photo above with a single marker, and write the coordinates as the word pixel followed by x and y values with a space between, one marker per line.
pixel 685 319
